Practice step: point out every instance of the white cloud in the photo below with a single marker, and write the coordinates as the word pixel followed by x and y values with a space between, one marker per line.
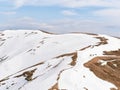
pixel 68 3
pixel 71 25
pixel 63 26
pixel 87 3
pixel 108 21
pixel 108 12
pixel 19 3
pixel 92 26
pixel 8 13
pixel 25 23
pixel 69 13
pixel 111 16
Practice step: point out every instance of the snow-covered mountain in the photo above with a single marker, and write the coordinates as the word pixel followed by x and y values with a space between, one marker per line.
pixel 37 60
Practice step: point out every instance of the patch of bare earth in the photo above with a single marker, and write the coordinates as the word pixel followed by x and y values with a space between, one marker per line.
pixel 46 32
pixel 54 87
pixel 85 48
pixel 74 57
pixel 107 67
pixel 115 52
pixel 27 74
pixel 103 41
pixel 93 34
pixel 85 88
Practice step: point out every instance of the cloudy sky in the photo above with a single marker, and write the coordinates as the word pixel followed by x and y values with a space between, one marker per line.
pixel 95 16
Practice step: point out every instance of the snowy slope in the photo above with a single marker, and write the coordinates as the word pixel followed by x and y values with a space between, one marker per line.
pixel 37 60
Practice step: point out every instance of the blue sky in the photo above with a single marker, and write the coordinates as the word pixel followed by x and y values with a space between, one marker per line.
pixel 95 16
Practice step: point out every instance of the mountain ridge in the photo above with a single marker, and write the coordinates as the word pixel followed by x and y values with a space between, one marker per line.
pixel 39 60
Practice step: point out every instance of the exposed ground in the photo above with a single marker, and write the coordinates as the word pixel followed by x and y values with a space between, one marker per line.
pixel 107 67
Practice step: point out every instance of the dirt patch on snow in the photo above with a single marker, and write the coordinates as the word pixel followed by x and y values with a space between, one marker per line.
pixel 115 52
pixel 54 87
pixel 74 59
pixel 4 80
pixel 27 74
pixel 46 32
pixel 85 48
pixel 107 67
pixel 73 56
pixel 93 34
pixel 103 41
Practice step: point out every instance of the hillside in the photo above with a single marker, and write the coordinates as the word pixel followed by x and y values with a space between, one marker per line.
pixel 38 60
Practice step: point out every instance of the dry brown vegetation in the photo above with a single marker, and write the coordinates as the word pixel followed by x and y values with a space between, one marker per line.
pixel 110 70
pixel 116 52
pixel 4 79
pixel 67 54
pixel 85 48
pixel 93 34
pixel 46 32
pixel 103 41
pixel 27 74
pixel 30 71
pixel 54 87
pixel 74 57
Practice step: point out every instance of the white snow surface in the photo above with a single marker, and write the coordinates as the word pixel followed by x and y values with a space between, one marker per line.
pixel 21 50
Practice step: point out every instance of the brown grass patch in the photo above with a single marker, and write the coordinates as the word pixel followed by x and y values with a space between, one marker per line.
pixel 93 34
pixel 27 74
pixel 109 72
pixel 103 41
pixel 54 87
pixel 115 52
pixel 74 57
pixel 4 80
pixel 85 48
pixel 46 32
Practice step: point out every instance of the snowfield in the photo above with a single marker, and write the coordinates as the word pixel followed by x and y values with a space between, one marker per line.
pixel 37 60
